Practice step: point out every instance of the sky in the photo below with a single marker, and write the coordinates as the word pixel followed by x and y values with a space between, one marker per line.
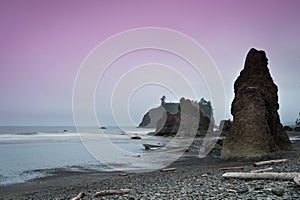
pixel 44 44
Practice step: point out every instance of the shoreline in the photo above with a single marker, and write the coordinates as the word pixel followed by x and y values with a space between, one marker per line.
pixel 193 178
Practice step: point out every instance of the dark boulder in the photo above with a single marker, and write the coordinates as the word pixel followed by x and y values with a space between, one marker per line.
pixel 297 129
pixel 136 137
pixel 256 130
pixel 288 128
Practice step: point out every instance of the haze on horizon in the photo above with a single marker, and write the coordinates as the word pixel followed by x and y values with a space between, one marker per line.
pixel 43 44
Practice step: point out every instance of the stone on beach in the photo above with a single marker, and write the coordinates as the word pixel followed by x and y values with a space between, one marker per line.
pixel 256 130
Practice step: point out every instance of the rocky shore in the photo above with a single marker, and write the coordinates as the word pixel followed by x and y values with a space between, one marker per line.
pixel 194 178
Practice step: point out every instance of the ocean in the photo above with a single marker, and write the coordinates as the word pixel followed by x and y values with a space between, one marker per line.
pixel 28 152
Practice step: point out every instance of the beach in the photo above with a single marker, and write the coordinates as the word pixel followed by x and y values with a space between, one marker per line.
pixel 194 178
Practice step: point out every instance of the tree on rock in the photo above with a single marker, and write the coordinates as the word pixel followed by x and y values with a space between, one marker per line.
pixel 256 130
pixel 163 100
pixel 298 120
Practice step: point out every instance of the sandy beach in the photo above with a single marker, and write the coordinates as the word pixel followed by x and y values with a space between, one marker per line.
pixel 194 178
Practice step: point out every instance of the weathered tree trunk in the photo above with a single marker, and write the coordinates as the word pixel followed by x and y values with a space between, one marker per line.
pixel 265 175
pixel 233 168
pixel 79 196
pixel 168 169
pixel 262 170
pixel 271 162
pixel 111 192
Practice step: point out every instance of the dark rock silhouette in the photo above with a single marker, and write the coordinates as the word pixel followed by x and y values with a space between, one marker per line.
pixel 151 118
pixel 288 128
pixel 297 129
pixel 225 125
pixel 191 115
pixel 256 130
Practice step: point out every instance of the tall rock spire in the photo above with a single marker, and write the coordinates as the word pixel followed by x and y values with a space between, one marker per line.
pixel 256 131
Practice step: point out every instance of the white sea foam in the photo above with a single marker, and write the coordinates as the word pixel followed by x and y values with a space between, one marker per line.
pixel 30 152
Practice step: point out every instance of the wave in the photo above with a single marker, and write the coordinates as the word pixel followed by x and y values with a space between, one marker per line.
pixel 37 136
pixel 26 133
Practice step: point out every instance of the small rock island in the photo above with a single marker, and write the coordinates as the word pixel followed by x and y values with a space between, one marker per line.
pixel 166 118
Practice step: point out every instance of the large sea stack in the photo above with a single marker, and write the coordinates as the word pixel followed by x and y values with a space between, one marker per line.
pixel 256 130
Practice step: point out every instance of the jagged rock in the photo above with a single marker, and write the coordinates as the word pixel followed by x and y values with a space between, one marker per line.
pixel 151 118
pixel 256 130
pixel 225 126
pixel 169 124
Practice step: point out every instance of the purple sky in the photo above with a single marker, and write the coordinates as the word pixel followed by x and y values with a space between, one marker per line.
pixel 43 44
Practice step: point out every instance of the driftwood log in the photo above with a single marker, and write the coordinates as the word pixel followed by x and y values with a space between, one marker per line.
pixel 79 196
pixel 112 192
pixel 233 168
pixel 265 175
pixel 271 162
pixel 262 170
pixel 168 169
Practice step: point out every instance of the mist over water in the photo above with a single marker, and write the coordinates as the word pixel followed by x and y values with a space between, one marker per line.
pixel 30 152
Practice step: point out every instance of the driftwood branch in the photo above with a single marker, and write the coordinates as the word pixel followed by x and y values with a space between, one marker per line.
pixel 265 175
pixel 271 162
pixel 79 196
pixel 262 170
pixel 168 169
pixel 233 168
pixel 112 192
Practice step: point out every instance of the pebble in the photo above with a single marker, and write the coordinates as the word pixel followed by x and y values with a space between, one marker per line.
pixel 279 191
pixel 189 181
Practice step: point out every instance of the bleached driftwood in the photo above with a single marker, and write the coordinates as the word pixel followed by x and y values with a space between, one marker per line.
pixel 262 170
pixel 297 180
pixel 265 175
pixel 271 162
pixel 168 169
pixel 79 196
pixel 112 192
pixel 233 168
pixel 123 174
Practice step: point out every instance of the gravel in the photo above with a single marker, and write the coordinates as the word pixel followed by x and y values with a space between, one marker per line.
pixel 193 178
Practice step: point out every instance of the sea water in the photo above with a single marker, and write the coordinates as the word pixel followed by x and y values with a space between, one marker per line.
pixel 28 152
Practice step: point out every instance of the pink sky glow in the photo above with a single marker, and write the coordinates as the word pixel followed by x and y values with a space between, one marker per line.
pixel 43 44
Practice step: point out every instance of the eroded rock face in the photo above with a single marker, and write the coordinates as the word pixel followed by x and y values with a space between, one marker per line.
pixel 225 126
pixel 256 130
pixel 151 118
pixel 187 122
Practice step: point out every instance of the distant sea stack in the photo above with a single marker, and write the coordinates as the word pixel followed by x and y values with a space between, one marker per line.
pixel 256 131
pixel 180 123
pixel 152 117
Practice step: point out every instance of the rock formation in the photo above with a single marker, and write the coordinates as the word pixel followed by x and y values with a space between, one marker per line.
pixel 256 130
pixel 225 126
pixel 151 118
pixel 169 124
